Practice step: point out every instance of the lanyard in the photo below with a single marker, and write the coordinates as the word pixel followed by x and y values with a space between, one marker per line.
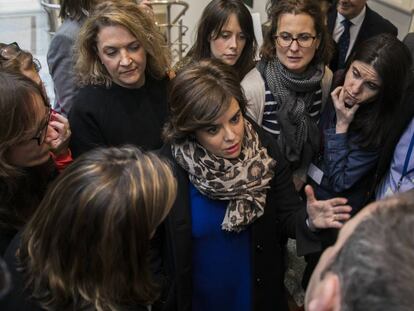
pixel 406 162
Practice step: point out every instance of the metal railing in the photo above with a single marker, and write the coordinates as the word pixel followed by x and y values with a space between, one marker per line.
pixel 52 8
pixel 173 27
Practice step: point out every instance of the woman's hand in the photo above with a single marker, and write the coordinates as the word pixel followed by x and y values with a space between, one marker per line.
pixel 58 134
pixel 344 113
pixel 326 214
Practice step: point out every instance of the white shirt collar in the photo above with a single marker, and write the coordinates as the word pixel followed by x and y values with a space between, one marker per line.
pixel 357 20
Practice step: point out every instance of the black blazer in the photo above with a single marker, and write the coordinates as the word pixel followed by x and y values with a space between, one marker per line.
pixel 373 24
pixel 284 216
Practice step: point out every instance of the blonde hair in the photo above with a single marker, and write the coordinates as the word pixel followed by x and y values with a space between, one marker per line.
pixel 88 242
pixel 88 66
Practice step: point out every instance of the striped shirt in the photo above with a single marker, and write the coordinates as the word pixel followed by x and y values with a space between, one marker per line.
pixel 271 108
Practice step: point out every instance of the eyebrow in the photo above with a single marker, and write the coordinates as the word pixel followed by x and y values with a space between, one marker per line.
pixel 235 114
pixel 120 46
pixel 375 81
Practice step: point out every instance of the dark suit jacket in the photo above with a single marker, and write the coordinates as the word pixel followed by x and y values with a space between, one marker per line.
pixel 373 24
pixel 284 215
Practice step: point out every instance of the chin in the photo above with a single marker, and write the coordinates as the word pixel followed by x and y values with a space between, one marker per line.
pixel 296 68
pixel 37 162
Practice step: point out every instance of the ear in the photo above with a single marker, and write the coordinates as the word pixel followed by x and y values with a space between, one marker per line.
pixel 327 297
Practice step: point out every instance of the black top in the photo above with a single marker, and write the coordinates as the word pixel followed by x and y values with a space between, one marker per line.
pixel 19 202
pixel 117 116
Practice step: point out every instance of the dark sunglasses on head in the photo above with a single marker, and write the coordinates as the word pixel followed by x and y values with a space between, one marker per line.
pixel 12 51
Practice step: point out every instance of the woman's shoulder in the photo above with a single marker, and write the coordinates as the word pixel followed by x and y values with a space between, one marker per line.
pixel 252 80
pixel 265 139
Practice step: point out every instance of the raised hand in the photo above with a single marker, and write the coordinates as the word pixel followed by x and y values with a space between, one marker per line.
pixel 326 214
pixel 344 113
pixel 58 134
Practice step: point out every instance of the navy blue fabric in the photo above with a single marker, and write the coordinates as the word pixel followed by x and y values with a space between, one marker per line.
pixel 347 168
pixel 221 260
pixel 343 43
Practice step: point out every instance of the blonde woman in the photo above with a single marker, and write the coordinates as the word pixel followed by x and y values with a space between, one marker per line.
pixel 121 64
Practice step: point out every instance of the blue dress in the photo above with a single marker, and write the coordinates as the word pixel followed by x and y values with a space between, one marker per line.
pixel 222 268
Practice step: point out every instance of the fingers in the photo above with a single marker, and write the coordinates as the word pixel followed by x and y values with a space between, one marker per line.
pixel 336 225
pixel 341 217
pixel 337 201
pixel 335 93
pixel 310 195
pixel 58 117
pixel 353 109
pixel 342 209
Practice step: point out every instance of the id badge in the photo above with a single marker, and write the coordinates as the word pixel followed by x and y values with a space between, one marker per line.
pixel 315 173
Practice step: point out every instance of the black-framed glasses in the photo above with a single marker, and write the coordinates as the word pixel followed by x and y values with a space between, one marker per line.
pixel 303 40
pixel 13 50
pixel 41 134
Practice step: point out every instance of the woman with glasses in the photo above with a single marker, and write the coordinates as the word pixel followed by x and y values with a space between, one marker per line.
pixel 289 86
pixel 14 59
pixel 121 64
pixel 31 137
pixel 225 32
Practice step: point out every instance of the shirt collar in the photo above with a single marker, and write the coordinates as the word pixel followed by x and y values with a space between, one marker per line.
pixel 357 20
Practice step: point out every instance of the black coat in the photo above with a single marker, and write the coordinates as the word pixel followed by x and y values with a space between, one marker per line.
pixel 284 216
pixel 373 24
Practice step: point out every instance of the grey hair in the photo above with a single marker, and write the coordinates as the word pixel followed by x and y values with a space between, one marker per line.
pixel 375 265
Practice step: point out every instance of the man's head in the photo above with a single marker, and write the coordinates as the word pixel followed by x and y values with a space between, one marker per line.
pixel 350 8
pixel 371 265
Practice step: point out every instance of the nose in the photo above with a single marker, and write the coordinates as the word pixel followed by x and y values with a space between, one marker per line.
pixel 356 87
pixel 233 42
pixel 229 134
pixel 125 58
pixel 294 46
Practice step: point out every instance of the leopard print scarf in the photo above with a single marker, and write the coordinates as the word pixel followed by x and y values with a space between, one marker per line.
pixel 243 181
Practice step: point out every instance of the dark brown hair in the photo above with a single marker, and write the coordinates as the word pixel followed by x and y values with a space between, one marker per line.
pixel 214 17
pixel 87 245
pixel 17 115
pixel 313 9
pixel 391 60
pixel 200 94
pixel 20 189
pixel 76 9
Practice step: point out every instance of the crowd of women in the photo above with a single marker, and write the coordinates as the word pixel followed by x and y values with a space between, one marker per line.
pixel 148 186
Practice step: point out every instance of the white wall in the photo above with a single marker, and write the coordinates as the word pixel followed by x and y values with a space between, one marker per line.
pixel 22 6
pixel 399 12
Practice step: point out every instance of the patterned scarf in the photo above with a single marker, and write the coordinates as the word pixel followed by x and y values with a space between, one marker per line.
pixel 295 94
pixel 243 181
